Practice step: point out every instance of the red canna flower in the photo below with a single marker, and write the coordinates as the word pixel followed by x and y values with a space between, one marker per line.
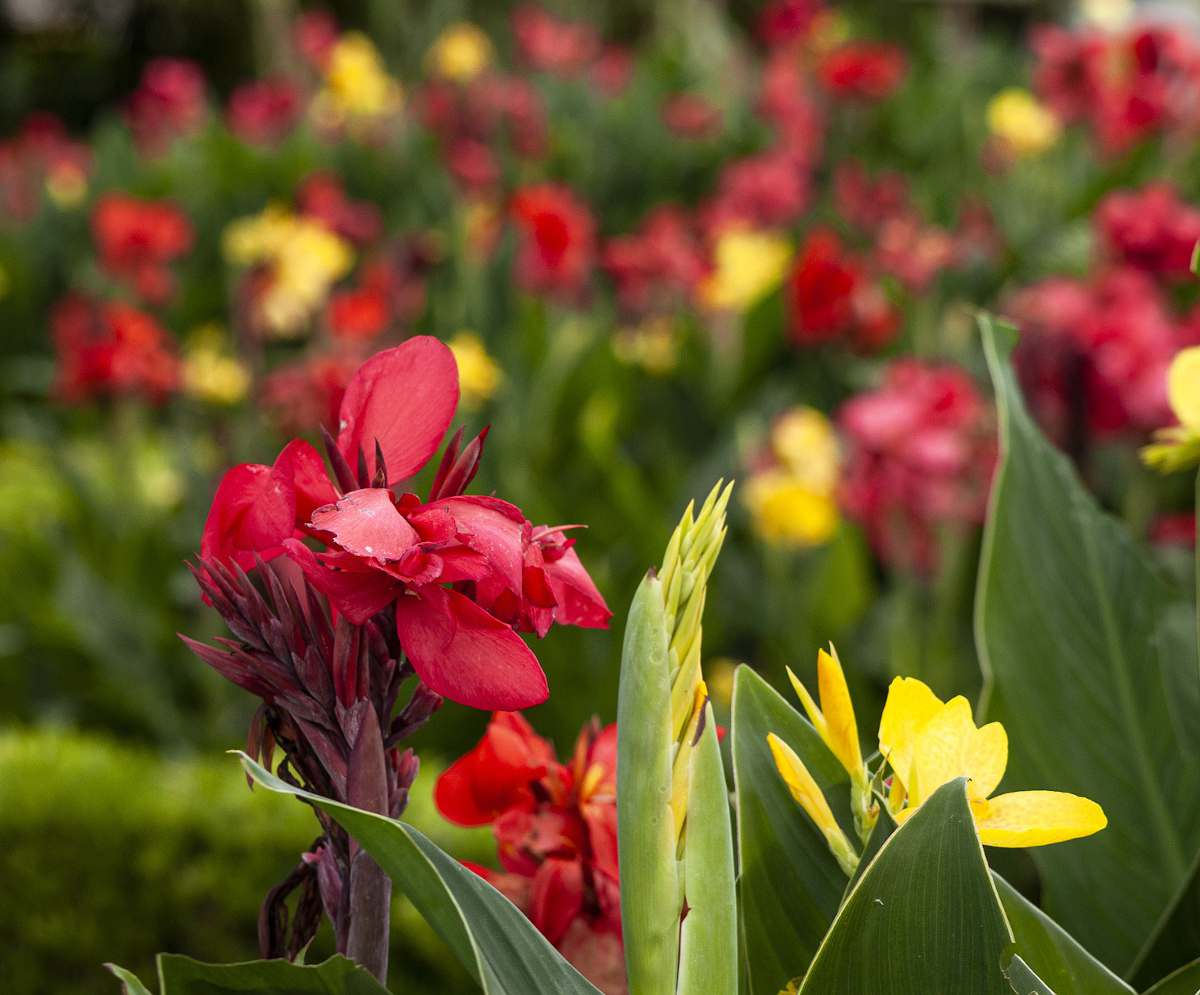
pixel 358 315
pixel 264 112
pixel 786 21
pixel 322 198
pixel 306 395
pixel 689 115
pixel 41 157
pixel 1150 229
pixel 658 266
pixel 548 44
pixel 557 239
pixel 110 349
pixel 385 551
pixel 314 33
pixel 556 833
pixel 921 450
pixel 137 239
pixel 168 103
pixel 831 297
pixel 767 190
pixel 863 70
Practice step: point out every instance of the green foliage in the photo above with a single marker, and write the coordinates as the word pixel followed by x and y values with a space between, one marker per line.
pixel 113 854
pixel 184 976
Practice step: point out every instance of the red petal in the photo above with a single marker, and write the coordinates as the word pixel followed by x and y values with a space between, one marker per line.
pixel 367 523
pixel 467 655
pixel 305 468
pixel 253 511
pixel 579 600
pixel 404 398
pixel 356 593
pixel 557 897
pixel 494 528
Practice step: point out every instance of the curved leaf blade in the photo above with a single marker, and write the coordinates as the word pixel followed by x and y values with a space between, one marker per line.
pixel 1185 981
pixel 923 918
pixel 790 885
pixel 490 936
pixel 178 975
pixel 1077 633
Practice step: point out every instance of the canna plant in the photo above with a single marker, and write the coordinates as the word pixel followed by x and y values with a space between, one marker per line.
pixel 857 872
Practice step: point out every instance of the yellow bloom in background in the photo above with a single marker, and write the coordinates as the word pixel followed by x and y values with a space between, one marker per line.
pixel 805 442
pixel 1107 14
pixel 460 53
pixel 67 186
pixel 811 798
pixel 210 372
pixel 652 346
pixel 357 85
pixel 305 261
pixel 479 376
pixel 787 511
pixel 1025 125
pixel 1178 447
pixel 749 265
pixel 929 743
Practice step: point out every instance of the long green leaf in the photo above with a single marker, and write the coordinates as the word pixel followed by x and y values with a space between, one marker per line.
pixel 183 976
pixel 1086 664
pixel 645 826
pixel 1024 980
pixel 708 949
pixel 490 936
pixel 790 885
pixel 923 918
pixel 1185 981
pixel 1050 951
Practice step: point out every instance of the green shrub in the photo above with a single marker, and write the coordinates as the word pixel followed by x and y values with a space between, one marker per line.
pixel 113 854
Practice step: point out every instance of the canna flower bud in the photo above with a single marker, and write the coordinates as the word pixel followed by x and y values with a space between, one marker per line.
pixel 811 798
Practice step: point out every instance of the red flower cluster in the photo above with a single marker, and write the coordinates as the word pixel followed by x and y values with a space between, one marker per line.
pixel 787 21
pixel 307 394
pixel 110 349
pixel 556 833
pixel 264 111
pixel 168 103
pixel 863 70
pixel 831 297
pixel 767 190
pixel 659 265
pixel 920 454
pixel 1125 86
pixel 557 240
pixel 138 239
pixel 1150 229
pixel 322 198
pixel 40 157
pixel 548 44
pixel 385 551
pixel 689 115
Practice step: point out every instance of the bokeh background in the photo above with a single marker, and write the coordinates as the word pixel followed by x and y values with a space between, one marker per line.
pixel 668 242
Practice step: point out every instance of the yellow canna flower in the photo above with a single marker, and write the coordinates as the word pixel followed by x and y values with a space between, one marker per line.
pixel 653 346
pixel 357 85
pixel 210 373
pixel 811 798
pixel 1023 124
pixel 460 53
pixel 928 743
pixel 834 719
pixel 479 376
pixel 804 441
pixel 1178 447
pixel 786 510
pixel 749 265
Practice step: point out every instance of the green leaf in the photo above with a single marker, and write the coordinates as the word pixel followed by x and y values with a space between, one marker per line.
pixel 924 917
pixel 790 885
pixel 183 976
pixel 650 887
pixel 884 826
pixel 130 985
pixel 491 937
pixel 1048 949
pixel 1176 938
pixel 708 949
pixel 1185 981
pixel 1087 666
pixel 1024 981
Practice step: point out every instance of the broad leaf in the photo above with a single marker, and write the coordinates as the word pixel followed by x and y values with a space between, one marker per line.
pixel 923 918
pixel 1185 981
pixel 183 976
pixel 790 885
pixel 1176 939
pixel 1046 948
pixel 1024 980
pixel 490 936
pixel 884 826
pixel 1087 666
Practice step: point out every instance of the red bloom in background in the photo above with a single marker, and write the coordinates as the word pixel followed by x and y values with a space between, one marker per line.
pixel 786 101
pixel 863 70
pixel 137 239
pixel 689 115
pixel 264 111
pixel 168 103
pixel 389 552
pixel 314 33
pixel 1150 229
pixel 760 191
pixel 612 70
pixel 322 198
pixel 831 297
pixel 358 315
pixel 786 21
pixel 657 266
pixel 306 395
pixel 556 834
pixel 41 156
pixel 548 44
pixel 867 201
pixel 921 450
pixel 557 242
pixel 110 349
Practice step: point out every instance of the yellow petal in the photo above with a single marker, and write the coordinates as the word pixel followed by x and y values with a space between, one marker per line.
pixel 841 729
pixel 949 746
pixel 910 704
pixel 1035 818
pixel 800 782
pixel 810 706
pixel 1183 386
